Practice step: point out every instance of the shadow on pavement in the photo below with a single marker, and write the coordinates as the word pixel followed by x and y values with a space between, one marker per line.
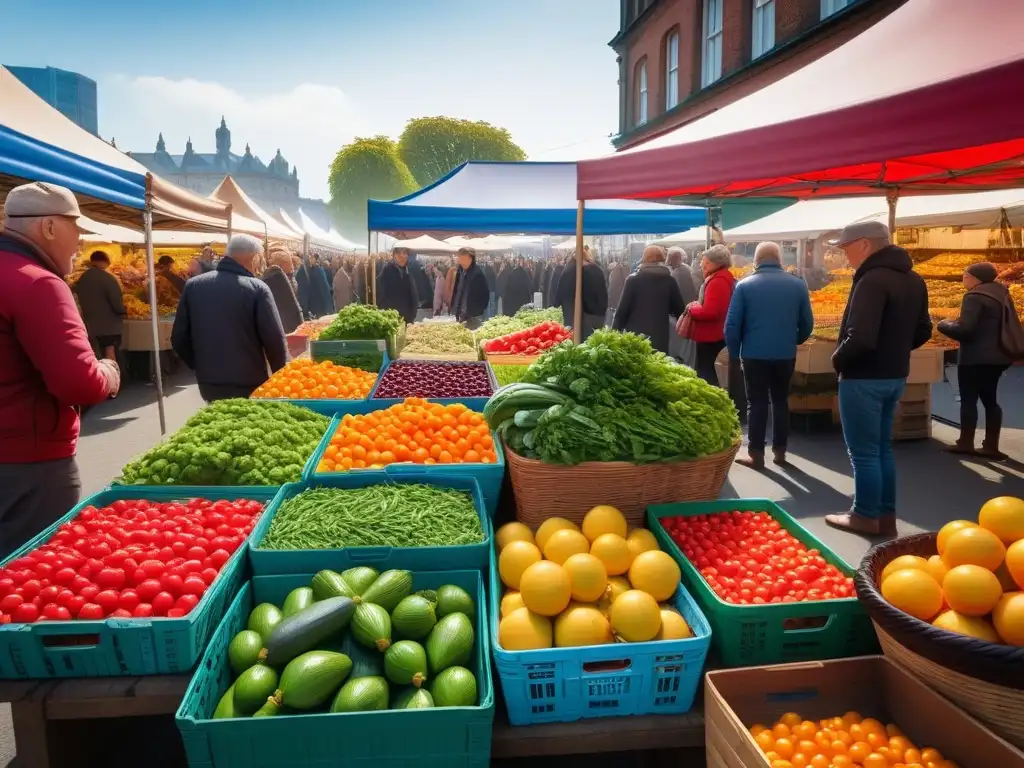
pixel 112 414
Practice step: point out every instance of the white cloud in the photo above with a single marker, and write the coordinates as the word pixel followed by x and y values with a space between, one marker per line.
pixel 309 123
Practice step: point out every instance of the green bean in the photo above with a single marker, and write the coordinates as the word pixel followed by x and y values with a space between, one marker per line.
pixel 398 515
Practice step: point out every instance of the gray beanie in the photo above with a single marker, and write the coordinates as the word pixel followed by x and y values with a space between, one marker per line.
pixel 984 271
pixel 718 255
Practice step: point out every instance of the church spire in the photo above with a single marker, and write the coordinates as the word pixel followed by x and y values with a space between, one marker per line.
pixel 223 141
pixel 160 145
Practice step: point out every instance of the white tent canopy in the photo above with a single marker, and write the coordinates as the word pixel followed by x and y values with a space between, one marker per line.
pixel 228 191
pixel 425 244
pixel 690 238
pixel 113 233
pixel 566 245
pixel 973 210
pixel 809 219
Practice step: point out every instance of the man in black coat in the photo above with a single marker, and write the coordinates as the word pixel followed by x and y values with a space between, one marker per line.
pixel 595 296
pixel 649 298
pixel 492 285
pixel 885 319
pixel 396 288
pixel 518 291
pixel 501 285
pixel 227 328
pixel 471 296
pixel 279 279
pixel 424 288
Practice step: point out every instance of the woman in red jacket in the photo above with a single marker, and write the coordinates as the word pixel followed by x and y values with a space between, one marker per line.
pixel 709 311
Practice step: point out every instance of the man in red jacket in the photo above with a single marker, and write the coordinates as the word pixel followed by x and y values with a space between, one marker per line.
pixel 47 366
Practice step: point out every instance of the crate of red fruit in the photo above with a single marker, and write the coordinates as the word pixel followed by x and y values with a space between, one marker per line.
pixel 471 384
pixel 132 581
pixel 772 592
pixel 523 347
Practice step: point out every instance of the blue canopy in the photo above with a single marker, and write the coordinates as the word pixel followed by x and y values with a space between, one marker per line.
pixel 527 198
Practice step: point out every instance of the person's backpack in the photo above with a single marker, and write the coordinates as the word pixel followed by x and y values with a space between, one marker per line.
pixel 1011 334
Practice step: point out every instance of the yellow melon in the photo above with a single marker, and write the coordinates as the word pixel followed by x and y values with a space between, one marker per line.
pixel 641 540
pixel 656 573
pixel 972 626
pixel 588 576
pixel 582 625
pixel 673 626
pixel 914 592
pixel 546 588
pixel 948 530
pixel 551 525
pixel 512 601
pixel 636 617
pixel 612 550
pixel 971 590
pixel 1008 617
pixel 974 546
pixel 902 562
pixel 563 544
pixel 515 558
pixel 603 519
pixel 510 532
pixel 523 630
pixel 1004 516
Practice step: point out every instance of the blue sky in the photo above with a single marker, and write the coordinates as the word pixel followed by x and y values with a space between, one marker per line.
pixel 306 76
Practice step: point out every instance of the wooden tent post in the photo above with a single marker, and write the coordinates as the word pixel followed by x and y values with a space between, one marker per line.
pixel 577 316
pixel 147 222
pixel 891 197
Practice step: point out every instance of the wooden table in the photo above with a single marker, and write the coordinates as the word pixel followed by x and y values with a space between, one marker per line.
pixel 34 703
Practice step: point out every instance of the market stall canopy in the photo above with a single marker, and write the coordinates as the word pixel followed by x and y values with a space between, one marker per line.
pixel 37 143
pixel 809 219
pixel 529 198
pixel 698 236
pixel 931 98
pixel 229 192
pixel 98 232
pixel 566 245
pixel 424 244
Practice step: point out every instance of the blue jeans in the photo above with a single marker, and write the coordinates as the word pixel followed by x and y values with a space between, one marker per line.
pixel 867 408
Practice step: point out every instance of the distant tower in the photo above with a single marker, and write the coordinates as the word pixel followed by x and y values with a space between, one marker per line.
pixel 223 143
pixel 160 145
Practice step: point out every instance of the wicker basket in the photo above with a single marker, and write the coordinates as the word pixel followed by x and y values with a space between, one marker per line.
pixel 985 679
pixel 556 490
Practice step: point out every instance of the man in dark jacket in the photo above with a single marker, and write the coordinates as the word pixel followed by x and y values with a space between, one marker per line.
pixel 886 318
pixel 519 289
pixel 320 301
pixel 492 280
pixel 595 296
pixel 556 275
pixel 227 328
pixel 99 296
pixel 769 315
pixel 424 288
pixel 471 297
pixel 278 278
pixel 649 298
pixel 396 288
pixel 501 285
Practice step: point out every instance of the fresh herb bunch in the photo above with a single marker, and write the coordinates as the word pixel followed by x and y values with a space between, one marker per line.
pixel 361 321
pixel 233 442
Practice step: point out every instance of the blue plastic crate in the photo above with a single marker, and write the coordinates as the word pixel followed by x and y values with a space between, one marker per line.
pixel 473 403
pixel 266 562
pixel 117 647
pixel 560 685
pixel 445 737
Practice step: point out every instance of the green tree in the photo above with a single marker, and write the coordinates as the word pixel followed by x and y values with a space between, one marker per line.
pixel 363 170
pixel 433 146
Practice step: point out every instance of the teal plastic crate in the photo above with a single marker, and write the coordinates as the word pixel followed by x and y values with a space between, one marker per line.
pixel 338 348
pixel 329 407
pixel 268 562
pixel 560 685
pixel 118 647
pixel 445 737
pixel 754 635
pixel 489 476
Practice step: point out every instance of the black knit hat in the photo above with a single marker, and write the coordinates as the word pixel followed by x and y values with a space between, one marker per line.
pixel 983 271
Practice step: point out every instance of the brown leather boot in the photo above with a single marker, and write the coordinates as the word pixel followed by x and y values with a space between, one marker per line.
pixel 779 456
pixel 990 445
pixel 753 460
pixel 851 521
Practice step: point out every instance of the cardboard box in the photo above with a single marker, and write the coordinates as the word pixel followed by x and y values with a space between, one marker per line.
pixel 735 699
pixel 808 403
pixel 137 335
pixel 926 365
pixel 815 357
pixel 915 393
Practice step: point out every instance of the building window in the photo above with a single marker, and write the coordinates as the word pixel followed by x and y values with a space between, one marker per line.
pixel 712 65
pixel 672 70
pixel 641 95
pixel 828 7
pixel 763 31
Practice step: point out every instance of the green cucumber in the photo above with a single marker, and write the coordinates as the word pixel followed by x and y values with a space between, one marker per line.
pixel 363 694
pixel 405 663
pixel 413 618
pixel 450 643
pixel 360 578
pixel 413 698
pixel 263 619
pixel 330 584
pixel 226 705
pixel 455 687
pixel 371 626
pixel 245 649
pixel 453 599
pixel 366 662
pixel 307 629
pixel 298 599
pixel 312 678
pixel 253 687
pixel 388 590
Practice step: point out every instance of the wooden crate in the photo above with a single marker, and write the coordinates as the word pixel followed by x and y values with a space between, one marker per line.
pixel 808 403
pixel 926 365
pixel 815 357
pixel 916 392
pixel 137 335
pixel 735 699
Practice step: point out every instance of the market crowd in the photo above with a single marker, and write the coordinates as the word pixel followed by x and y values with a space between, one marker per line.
pixel 58 357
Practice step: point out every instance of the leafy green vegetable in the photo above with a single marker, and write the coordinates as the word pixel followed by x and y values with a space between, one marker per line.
pixel 508 374
pixel 233 442
pixel 501 325
pixel 434 338
pixel 362 321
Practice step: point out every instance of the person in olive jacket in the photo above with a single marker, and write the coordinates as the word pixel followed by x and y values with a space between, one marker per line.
pixel 396 288
pixel 981 360
pixel 649 298
pixel 471 295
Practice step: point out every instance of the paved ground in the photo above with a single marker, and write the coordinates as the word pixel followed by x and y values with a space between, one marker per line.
pixel 935 487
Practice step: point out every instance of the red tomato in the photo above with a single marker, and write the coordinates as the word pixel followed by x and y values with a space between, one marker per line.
pixel 75 604
pixel 142 609
pixel 89 592
pixel 172 583
pixel 194 585
pixel 186 602
pixel 162 603
pixel 120 613
pixel 128 600
pixel 31 587
pixel 148 589
pixel 107 599
pixel 111 578
pixel 209 575
pixel 218 557
pixel 56 612
pixel 65 576
pixel 154 568
pixel 175 613
pixel 25 613
pixel 10 602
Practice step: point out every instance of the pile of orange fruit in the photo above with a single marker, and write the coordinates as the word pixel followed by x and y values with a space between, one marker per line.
pixel 842 742
pixel 974 585
pixel 414 431
pixel 303 379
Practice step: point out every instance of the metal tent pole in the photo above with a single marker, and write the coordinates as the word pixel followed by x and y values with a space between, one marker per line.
pixel 147 220
pixel 577 316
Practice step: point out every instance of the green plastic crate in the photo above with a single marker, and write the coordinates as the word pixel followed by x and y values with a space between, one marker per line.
pixel 445 737
pixel 750 635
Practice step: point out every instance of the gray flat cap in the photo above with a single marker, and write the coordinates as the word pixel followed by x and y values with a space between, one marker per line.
pixel 872 230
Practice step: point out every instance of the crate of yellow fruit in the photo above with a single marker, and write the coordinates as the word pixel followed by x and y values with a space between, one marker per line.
pixel 950 607
pixel 591 620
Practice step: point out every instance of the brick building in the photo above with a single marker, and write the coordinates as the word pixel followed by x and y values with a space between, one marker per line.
pixel 680 60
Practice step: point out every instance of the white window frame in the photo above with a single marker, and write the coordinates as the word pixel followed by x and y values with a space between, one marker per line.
pixel 830 7
pixel 641 106
pixel 672 69
pixel 763 28
pixel 711 61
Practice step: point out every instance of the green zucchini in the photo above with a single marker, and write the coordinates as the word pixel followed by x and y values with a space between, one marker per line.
pixel 312 678
pixel 518 397
pixel 330 584
pixel 307 629
pixel 405 662
pixel 360 578
pixel 253 687
pixel 298 599
pixel 226 705
pixel 366 662
pixel 271 708
pixel 388 590
pixel 245 649
pixel 529 419
pixel 263 619
pixel 371 626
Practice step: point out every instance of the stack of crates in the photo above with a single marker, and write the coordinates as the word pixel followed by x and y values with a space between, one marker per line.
pixel 914 413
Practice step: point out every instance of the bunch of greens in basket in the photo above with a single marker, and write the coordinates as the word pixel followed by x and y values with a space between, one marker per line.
pixel 361 321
